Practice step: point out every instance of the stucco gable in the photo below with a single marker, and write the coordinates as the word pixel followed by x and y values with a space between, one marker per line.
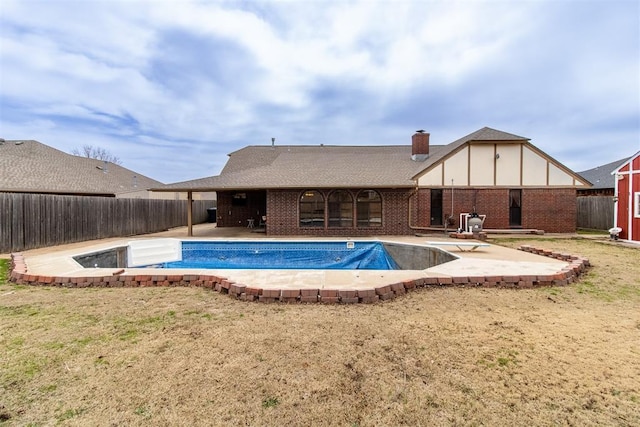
pixel 492 158
pixel 484 135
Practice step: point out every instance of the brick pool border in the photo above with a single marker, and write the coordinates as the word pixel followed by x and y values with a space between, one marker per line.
pixel 576 266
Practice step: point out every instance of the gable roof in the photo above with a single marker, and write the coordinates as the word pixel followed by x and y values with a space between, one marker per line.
pixel 485 134
pixel 329 166
pixel 33 167
pixel 302 166
pixel 626 162
pixel 601 176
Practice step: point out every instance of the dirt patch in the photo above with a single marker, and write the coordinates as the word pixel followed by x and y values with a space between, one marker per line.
pixel 187 356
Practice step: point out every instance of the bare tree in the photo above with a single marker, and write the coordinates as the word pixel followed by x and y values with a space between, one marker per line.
pixel 98 153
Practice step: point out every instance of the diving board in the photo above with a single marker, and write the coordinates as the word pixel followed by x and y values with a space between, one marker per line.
pixel 462 246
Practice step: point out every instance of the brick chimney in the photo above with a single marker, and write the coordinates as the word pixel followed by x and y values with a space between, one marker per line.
pixel 420 146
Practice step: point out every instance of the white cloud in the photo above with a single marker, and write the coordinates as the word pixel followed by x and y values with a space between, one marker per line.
pixel 168 79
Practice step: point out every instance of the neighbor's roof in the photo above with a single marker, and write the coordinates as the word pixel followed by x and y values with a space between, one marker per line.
pixel 601 176
pixel 328 166
pixel 33 167
pixel 626 162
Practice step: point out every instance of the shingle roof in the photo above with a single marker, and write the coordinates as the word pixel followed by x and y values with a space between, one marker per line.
pixel 329 166
pixel 600 176
pixel 488 134
pixel 30 166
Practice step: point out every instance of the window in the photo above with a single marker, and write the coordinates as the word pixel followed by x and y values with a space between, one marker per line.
pixel 340 209
pixel 369 207
pixel 239 199
pixel 311 209
pixel 636 204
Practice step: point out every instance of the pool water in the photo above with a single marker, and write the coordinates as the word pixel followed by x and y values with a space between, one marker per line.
pixel 338 255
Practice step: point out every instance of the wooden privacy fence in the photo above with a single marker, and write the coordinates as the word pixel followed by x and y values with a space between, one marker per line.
pixel 595 212
pixel 29 221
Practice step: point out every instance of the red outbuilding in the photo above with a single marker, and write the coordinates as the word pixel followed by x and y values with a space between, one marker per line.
pixel 627 199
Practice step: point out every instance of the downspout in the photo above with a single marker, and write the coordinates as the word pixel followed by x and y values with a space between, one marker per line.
pixel 415 227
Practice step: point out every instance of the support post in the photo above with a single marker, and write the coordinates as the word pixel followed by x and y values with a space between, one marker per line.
pixel 190 213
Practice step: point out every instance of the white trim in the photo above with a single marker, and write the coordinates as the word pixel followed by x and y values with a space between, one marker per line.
pixel 616 201
pixel 631 172
pixel 636 204
pixel 630 213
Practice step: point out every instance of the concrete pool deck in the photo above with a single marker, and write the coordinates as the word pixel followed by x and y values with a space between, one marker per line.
pixel 491 266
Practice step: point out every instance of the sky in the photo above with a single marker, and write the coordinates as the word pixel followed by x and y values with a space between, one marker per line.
pixel 172 87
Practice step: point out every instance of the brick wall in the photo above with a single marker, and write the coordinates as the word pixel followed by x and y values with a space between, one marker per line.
pixel 550 209
pixel 282 208
pixel 421 208
pixel 494 203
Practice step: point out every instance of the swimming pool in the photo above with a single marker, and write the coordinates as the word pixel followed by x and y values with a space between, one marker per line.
pixel 328 255
pixel 167 253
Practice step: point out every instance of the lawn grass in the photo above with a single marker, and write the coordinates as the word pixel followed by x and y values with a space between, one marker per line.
pixel 443 356
pixel 4 270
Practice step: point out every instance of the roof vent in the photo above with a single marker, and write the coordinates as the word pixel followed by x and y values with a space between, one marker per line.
pixel 19 142
pixel 103 168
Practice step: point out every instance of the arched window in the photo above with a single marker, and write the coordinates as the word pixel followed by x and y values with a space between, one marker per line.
pixel 340 209
pixel 369 209
pixel 311 209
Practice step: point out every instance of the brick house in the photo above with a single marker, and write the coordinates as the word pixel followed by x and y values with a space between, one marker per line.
pixel 28 166
pixel 627 198
pixel 396 189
